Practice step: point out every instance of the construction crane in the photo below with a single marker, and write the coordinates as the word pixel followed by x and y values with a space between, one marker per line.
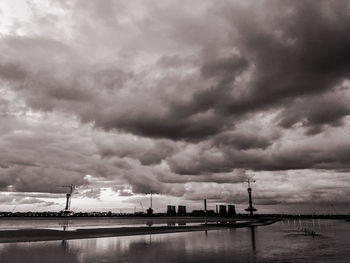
pixel 68 197
pixel 150 210
pixel 250 208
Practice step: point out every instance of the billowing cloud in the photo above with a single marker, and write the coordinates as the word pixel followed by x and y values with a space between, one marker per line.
pixel 175 99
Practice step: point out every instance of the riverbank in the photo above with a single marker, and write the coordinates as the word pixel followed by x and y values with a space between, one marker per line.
pixel 26 235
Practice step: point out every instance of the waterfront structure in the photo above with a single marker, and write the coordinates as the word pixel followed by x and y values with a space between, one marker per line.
pixel 150 210
pixel 67 210
pixel 250 208
pixel 198 213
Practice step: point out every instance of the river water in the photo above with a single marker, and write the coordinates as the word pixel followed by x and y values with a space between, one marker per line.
pixel 75 223
pixel 284 241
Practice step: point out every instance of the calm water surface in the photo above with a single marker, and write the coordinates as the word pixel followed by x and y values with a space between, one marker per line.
pixel 280 242
pixel 72 224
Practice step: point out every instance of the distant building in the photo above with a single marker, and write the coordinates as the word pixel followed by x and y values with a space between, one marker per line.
pixel 222 210
pixel 198 213
pixel 210 213
pixel 181 210
pixel 171 210
pixel 231 210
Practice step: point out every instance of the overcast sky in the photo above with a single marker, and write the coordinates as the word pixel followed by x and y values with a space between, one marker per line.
pixel 183 98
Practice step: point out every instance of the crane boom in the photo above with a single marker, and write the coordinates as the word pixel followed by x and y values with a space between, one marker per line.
pixel 68 197
pixel 71 187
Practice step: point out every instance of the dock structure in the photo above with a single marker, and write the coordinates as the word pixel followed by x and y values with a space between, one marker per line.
pixel 67 210
pixel 250 208
pixel 150 209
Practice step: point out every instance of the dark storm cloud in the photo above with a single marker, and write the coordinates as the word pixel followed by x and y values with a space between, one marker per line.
pixel 243 141
pixel 147 179
pixel 11 72
pixel 288 54
pixel 317 111
pixel 147 151
pixel 285 54
pixel 165 97
pixel 39 158
pixel 168 126
pixel 41 179
pixel 289 61
pixel 224 158
pixel 222 178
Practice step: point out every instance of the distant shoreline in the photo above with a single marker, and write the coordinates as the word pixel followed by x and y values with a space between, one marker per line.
pixel 29 235
pixel 21 216
pixel 122 217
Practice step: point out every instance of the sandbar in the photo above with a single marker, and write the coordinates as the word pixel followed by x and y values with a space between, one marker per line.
pixel 29 235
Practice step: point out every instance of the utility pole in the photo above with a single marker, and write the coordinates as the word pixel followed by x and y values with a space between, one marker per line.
pixel 250 208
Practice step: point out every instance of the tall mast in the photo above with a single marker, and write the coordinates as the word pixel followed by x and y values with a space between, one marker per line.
pixel 250 208
pixel 71 188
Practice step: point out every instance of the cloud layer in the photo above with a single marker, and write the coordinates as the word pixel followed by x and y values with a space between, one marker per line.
pixel 175 98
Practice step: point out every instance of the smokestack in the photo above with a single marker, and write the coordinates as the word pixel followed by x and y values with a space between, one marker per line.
pixel 205 205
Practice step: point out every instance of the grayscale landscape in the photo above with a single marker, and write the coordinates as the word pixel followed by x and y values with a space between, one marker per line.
pixel 174 131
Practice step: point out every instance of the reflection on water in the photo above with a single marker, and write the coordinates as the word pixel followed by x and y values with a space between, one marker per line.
pixel 280 242
pixel 34 252
pixel 64 224
pixel 253 239
pixel 75 223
